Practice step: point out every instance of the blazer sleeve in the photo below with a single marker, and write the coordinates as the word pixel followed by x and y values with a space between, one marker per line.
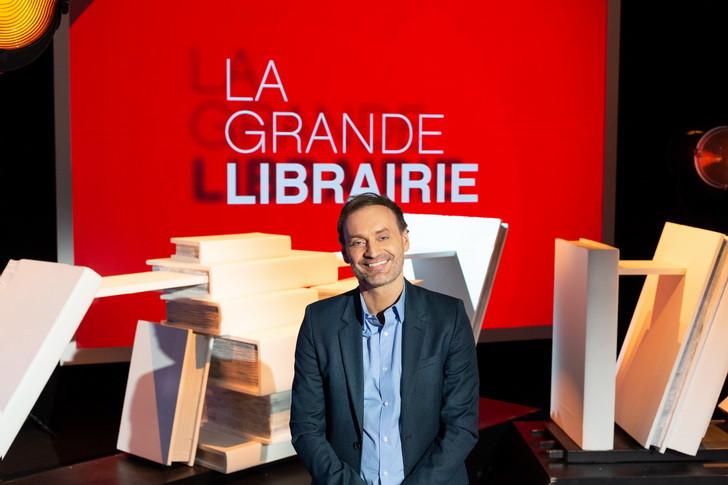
pixel 308 416
pixel 445 457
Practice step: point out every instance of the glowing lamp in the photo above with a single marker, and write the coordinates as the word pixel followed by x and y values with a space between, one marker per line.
pixel 26 29
pixel 711 157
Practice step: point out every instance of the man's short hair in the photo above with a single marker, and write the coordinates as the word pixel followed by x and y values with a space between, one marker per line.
pixel 367 199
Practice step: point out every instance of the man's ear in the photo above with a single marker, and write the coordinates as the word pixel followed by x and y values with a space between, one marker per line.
pixel 405 239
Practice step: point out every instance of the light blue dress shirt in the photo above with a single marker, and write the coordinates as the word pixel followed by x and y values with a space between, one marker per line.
pixel 381 457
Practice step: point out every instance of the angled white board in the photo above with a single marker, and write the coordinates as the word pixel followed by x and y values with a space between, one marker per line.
pixel 458 256
pixel 585 341
pixel 659 334
pixel 702 370
pixel 163 403
pixel 41 306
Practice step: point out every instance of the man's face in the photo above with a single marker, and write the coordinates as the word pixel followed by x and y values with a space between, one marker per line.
pixel 374 245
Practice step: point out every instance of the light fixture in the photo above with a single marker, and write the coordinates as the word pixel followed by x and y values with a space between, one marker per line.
pixel 711 157
pixel 26 29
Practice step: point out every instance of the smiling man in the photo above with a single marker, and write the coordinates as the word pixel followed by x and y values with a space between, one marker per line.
pixel 386 380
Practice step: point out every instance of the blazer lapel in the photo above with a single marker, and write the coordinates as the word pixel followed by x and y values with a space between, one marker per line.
pixel 413 333
pixel 351 354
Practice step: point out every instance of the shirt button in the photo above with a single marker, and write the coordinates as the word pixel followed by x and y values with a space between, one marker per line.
pixel 386 334
pixel 385 473
pixel 384 369
pixel 386 403
pixel 386 440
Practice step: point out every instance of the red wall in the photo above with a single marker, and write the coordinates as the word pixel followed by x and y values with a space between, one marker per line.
pixel 520 84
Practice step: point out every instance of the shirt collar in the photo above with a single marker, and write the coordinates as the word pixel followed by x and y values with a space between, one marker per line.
pixel 397 311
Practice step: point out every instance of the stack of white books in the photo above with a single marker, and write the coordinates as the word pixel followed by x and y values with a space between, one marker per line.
pixel 212 383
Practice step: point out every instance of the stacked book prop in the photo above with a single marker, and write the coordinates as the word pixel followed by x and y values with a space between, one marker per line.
pixel 224 355
pixel 664 387
pixel 211 384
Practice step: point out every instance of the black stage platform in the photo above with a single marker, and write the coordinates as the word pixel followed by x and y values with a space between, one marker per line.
pixel 530 457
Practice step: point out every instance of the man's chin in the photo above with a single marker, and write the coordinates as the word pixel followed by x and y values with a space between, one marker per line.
pixel 370 282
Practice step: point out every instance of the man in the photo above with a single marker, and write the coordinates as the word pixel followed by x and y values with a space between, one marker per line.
pixel 386 381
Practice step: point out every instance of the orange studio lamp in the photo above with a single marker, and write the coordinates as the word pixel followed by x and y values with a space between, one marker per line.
pixel 26 29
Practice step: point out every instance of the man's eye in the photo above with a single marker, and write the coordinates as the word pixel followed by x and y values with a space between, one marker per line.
pixel 383 238
pixel 357 243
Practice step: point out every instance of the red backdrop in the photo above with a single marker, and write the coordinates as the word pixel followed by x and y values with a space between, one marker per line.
pixel 520 84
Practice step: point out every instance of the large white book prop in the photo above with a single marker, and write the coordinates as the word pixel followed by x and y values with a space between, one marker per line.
pixel 230 247
pixel 457 256
pixel 674 351
pixel 162 410
pixel 585 341
pixel 228 453
pixel 235 278
pixel 239 315
pixel 258 363
pixel 41 306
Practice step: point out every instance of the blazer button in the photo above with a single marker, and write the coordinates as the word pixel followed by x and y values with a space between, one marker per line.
pixel 357 445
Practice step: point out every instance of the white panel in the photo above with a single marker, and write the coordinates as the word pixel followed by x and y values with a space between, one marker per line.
pixel 166 363
pixel 41 305
pixel 665 315
pixel 458 256
pixel 703 370
pixel 585 342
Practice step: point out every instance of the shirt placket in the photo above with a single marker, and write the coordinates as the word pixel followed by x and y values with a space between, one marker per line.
pixel 386 396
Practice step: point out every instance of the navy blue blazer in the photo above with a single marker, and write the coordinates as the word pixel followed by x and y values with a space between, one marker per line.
pixel 439 416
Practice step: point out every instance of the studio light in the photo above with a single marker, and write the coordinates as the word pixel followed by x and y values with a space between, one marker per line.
pixel 26 29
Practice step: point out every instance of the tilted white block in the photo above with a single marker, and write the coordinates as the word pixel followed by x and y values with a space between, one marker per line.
pixel 585 342
pixel 164 394
pixel 41 306
pixel 701 374
pixel 458 256
pixel 663 326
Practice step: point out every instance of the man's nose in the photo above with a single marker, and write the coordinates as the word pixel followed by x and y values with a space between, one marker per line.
pixel 372 249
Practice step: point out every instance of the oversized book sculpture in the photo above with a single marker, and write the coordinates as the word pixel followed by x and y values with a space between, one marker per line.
pixel 234 307
pixel 673 362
